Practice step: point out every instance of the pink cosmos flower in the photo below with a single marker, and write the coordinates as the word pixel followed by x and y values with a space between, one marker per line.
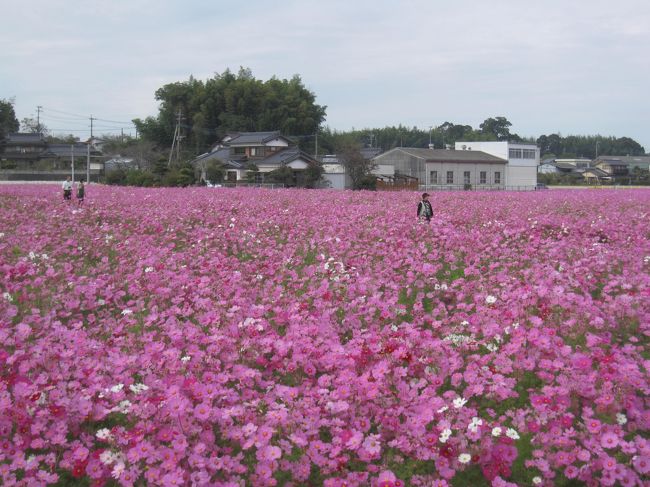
pixel 609 440
pixel 202 412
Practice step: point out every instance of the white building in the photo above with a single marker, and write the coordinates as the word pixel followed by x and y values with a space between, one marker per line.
pixel 523 159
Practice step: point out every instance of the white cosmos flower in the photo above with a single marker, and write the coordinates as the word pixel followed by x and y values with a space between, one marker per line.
pixel 107 457
pixel 186 359
pixel 490 299
pixel 444 436
pixel 116 388
pixel 459 402
pixel 464 457
pixel 621 418
pixel 537 480
pixel 443 409
pixel 7 296
pixel 496 431
pixel 148 269
pixel 510 433
pixel 104 434
pixel 126 312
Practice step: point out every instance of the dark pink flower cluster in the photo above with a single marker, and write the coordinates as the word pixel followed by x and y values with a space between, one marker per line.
pixel 227 337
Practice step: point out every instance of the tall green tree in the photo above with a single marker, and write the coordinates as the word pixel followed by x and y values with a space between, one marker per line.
pixel 228 102
pixel 8 121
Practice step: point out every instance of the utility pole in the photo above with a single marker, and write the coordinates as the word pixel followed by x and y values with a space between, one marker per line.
pixel 91 126
pixel 88 161
pixel 72 159
pixel 176 143
pixel 38 118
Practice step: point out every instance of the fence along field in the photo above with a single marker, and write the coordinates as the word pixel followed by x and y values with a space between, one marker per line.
pixel 287 337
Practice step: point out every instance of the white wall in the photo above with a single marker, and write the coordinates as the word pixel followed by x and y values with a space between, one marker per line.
pixel 519 171
pixel 337 181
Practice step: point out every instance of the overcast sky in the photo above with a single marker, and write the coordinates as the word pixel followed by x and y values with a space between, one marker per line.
pixel 567 66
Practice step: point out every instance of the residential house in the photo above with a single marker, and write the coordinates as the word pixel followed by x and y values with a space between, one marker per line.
pixel 28 156
pixel 23 150
pixel 446 169
pixel 522 160
pixel 636 162
pixel 259 153
pixel 614 166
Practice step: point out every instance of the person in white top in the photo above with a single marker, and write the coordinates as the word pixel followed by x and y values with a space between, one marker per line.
pixel 67 189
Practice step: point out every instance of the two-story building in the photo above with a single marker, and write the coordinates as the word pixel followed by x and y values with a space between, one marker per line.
pixel 521 159
pixel 259 153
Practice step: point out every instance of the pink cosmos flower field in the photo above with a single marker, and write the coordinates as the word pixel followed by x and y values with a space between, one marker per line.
pixel 245 337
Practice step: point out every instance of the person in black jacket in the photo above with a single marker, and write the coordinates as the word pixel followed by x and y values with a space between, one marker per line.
pixel 425 211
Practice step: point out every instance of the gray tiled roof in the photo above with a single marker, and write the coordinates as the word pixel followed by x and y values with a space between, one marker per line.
pixel 28 138
pixel 284 157
pixel 253 138
pixel 64 150
pixel 443 155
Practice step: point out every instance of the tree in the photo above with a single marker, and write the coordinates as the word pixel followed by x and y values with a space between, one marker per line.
pixel 32 126
pixel 356 166
pixel 8 121
pixel 497 127
pixel 229 102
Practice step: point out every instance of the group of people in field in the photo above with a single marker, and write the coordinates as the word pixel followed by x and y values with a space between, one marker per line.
pixel 424 213
pixel 67 191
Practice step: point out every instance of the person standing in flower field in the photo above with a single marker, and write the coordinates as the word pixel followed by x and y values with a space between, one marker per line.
pixel 81 192
pixel 67 189
pixel 425 211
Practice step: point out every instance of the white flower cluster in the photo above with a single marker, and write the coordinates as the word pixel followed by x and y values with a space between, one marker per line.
pixel 8 297
pixel 474 424
pixel 458 339
pixel 148 269
pixel 126 312
pixel 34 256
pixel 186 359
pixel 511 433
pixel 440 287
pixel 445 435
pixel 621 418
pixel 459 402
pixel 336 269
pixel 104 434
pixel 123 407
pixel 249 322
pixel 464 457
pixel 138 388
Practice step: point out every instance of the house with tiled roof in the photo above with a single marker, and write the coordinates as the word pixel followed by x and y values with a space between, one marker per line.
pixel 256 153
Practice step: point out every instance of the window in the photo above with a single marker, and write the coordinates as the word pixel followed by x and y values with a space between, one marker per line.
pixel 483 177
pixel 239 150
pixel 466 177
pixel 497 177
pixel 528 153
pixel 257 151
pixel 450 177
pixel 433 177
pixel 514 154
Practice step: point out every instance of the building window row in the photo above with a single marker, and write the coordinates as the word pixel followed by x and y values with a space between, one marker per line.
pixel 521 153
pixel 483 178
